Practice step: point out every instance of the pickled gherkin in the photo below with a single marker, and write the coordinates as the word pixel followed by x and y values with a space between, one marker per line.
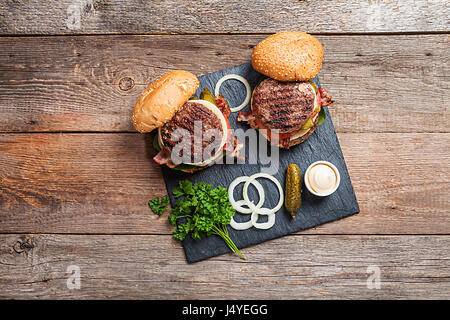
pixel 308 124
pixel 193 98
pixel 293 193
pixel 208 96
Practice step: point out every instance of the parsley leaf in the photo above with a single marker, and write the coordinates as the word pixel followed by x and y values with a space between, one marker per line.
pixel 158 207
pixel 177 192
pixel 186 187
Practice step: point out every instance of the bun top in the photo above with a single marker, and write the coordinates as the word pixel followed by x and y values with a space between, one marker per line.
pixel 162 99
pixel 288 56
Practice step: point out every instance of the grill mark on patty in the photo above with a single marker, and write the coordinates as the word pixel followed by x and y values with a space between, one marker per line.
pixel 189 118
pixel 277 113
pixel 275 100
pixel 186 119
pixel 283 105
pixel 289 106
pixel 278 120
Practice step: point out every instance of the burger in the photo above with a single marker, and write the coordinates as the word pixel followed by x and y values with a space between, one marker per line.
pixel 190 133
pixel 287 105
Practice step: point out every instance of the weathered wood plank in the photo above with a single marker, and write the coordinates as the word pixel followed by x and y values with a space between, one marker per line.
pixel 230 16
pixel 100 183
pixel 380 84
pixel 293 267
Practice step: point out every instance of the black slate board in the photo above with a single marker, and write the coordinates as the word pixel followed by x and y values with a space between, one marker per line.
pixel 321 145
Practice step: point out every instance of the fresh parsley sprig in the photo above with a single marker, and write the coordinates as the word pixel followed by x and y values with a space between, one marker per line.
pixel 158 207
pixel 206 211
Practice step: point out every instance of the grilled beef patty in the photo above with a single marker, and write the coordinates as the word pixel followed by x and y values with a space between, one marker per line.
pixel 190 115
pixel 285 106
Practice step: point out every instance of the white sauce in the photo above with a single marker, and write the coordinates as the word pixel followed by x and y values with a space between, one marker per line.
pixel 322 178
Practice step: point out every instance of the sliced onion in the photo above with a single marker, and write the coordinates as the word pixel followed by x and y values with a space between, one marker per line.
pixel 257 209
pixel 271 178
pixel 263 225
pixel 239 78
pixel 237 205
pixel 241 225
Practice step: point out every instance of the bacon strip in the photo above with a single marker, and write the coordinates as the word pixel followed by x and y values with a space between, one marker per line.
pixel 325 97
pixel 248 117
pixel 223 106
pixel 285 143
pixel 233 148
pixel 163 156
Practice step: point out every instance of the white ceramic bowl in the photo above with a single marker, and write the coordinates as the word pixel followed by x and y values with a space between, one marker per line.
pixel 332 166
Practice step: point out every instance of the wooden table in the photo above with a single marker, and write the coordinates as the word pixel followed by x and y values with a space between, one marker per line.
pixel 75 177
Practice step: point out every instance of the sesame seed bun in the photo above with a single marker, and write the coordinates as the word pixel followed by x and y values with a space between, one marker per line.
pixel 288 56
pixel 162 99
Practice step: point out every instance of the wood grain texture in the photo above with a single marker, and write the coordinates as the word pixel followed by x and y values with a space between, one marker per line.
pixel 229 16
pixel 380 83
pixel 100 183
pixel 153 267
pixel 391 115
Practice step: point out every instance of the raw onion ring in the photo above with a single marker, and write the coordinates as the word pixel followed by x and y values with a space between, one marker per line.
pixel 235 204
pixel 263 225
pixel 241 79
pixel 241 225
pixel 251 179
